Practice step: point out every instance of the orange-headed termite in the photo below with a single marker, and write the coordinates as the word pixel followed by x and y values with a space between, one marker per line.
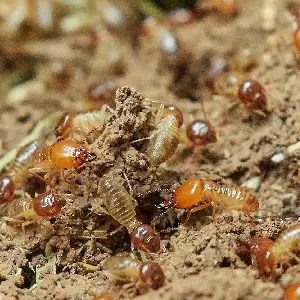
pixel 126 268
pixel 63 154
pixel 196 194
pixel 121 206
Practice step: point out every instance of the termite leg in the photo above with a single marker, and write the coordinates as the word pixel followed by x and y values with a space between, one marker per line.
pixel 128 183
pixel 194 209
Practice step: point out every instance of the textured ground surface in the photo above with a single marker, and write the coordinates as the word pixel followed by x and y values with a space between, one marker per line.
pixel 200 259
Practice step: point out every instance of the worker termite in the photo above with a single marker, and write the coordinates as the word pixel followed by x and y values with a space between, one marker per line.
pixel 253 95
pixel 79 126
pixel 165 140
pixel 121 206
pixel 196 194
pixel 24 211
pixel 268 253
pixel 292 291
pixel 125 268
pixel 201 133
pixel 63 154
pixel 16 171
pixel 228 84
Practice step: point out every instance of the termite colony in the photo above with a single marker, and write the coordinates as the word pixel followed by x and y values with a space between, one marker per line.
pixel 103 150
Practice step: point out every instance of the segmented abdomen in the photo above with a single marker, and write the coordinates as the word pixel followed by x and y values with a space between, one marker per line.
pixel 288 241
pixel 23 158
pixel 42 156
pixel 163 145
pixel 83 124
pixel 229 197
pixel 119 204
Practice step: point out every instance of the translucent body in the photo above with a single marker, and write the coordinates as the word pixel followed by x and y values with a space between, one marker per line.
pixel 122 267
pixel 63 154
pixel 195 192
pixel 126 268
pixel 165 141
pixel 252 94
pixel 292 291
pixel 19 209
pixel 174 110
pixel 201 133
pixel 121 206
pixel 23 159
pixel 288 241
pixel 228 84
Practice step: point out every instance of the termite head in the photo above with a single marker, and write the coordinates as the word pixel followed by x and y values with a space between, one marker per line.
pixel 64 125
pixel 201 133
pixel 152 274
pixel 189 193
pixel 46 205
pixel 251 204
pixel 175 111
pixel 82 155
pixel 69 153
pixel 262 250
pixel 7 189
pixel 145 238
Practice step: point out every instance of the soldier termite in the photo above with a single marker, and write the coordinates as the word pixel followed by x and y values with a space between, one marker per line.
pixel 63 154
pixel 125 268
pixel 196 194
pixel 121 206
pixel 269 253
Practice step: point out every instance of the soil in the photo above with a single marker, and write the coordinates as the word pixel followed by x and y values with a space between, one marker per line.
pixel 200 258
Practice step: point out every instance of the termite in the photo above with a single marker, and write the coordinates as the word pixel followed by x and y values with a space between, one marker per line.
pixel 292 291
pixel 268 253
pixel 121 206
pixel 201 133
pixel 24 211
pixel 196 194
pixel 125 268
pixel 16 171
pixel 79 126
pixel 253 95
pixel 165 140
pixel 63 154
